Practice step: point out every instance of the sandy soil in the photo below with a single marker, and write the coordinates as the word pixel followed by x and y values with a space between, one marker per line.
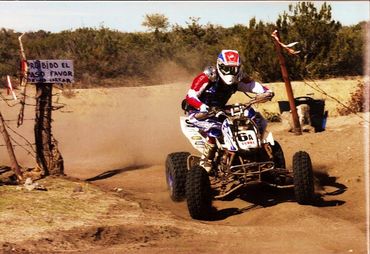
pixel 119 138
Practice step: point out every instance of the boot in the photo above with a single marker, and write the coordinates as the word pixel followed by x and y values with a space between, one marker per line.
pixel 207 157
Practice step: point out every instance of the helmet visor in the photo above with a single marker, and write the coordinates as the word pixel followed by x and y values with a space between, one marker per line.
pixel 229 70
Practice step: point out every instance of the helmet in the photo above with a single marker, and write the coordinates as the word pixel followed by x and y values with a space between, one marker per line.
pixel 228 65
pixel 211 73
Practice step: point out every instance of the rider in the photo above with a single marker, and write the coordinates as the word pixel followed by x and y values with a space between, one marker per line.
pixel 213 88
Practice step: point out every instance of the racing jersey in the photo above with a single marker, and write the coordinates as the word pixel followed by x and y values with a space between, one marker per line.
pixel 217 93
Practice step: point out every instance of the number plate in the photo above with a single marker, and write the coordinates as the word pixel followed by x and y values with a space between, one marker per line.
pixel 247 139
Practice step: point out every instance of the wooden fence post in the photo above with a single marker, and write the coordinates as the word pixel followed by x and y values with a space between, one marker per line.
pixel 297 126
pixel 48 156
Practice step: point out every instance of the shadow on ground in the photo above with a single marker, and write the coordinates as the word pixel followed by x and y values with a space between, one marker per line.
pixel 261 196
pixel 114 172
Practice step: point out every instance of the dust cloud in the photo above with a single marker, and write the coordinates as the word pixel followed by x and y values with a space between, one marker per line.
pixel 103 129
pixel 114 128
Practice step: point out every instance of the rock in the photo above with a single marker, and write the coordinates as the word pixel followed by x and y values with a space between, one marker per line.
pixel 29 187
pixel 78 188
pixel 118 189
pixel 28 181
pixel 28 184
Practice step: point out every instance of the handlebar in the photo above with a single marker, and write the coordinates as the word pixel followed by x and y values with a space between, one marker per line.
pixel 228 109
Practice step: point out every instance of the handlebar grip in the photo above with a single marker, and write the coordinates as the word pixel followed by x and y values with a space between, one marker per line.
pixel 203 115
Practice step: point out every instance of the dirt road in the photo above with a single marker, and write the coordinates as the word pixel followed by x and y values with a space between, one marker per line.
pixel 119 138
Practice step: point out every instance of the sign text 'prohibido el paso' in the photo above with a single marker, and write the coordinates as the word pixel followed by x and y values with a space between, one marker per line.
pixel 50 71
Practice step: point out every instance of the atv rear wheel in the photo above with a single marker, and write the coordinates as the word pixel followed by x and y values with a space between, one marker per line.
pixel 198 193
pixel 303 178
pixel 176 169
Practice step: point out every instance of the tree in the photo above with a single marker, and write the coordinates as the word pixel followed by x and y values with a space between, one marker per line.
pixel 156 22
pixel 315 31
pixel 9 54
pixel 347 52
pixel 260 60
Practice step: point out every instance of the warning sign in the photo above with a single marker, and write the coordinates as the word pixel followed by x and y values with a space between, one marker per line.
pixel 50 71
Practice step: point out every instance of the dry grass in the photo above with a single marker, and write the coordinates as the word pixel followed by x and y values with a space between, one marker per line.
pixel 61 207
pixel 339 88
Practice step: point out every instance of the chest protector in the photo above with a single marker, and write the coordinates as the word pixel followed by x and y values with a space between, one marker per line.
pixel 217 93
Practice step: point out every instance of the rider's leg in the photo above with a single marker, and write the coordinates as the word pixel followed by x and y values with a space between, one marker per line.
pixel 208 155
pixel 209 150
pixel 261 123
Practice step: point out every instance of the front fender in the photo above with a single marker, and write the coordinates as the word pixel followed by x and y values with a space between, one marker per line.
pixel 269 139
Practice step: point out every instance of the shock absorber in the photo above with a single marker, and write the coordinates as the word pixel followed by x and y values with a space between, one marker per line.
pixel 268 150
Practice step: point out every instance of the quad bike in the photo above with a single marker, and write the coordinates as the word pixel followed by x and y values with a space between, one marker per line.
pixel 243 156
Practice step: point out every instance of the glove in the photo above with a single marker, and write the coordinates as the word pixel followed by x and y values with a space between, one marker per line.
pixel 203 108
pixel 270 95
pixel 265 96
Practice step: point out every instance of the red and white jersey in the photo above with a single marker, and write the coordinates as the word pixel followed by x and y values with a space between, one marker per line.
pixel 203 91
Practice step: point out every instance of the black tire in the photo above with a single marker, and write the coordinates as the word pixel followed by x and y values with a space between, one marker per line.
pixel 278 155
pixel 198 193
pixel 303 178
pixel 176 169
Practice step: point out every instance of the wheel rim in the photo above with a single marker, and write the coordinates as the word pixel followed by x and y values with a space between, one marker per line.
pixel 170 182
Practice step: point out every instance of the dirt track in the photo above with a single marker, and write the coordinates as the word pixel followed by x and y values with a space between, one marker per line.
pixel 119 138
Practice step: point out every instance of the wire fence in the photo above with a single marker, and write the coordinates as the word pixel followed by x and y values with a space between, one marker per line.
pixel 315 86
pixel 18 140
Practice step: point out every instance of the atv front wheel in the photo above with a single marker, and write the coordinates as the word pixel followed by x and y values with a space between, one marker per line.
pixel 176 169
pixel 198 193
pixel 303 178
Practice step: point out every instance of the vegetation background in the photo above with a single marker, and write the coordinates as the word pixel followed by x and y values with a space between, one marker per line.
pixel 169 52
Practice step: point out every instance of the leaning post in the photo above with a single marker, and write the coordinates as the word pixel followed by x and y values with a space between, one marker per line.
pixel 278 45
pixel 13 160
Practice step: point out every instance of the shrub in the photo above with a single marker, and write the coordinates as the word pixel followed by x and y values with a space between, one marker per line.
pixel 357 102
pixel 271 116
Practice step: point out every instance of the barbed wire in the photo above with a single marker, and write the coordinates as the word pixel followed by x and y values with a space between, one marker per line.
pixel 3 145
pixel 21 136
pixel 6 101
pixel 33 154
pixel 58 106
pixel 28 147
pixel 317 88
pixel 17 144
pixel 15 120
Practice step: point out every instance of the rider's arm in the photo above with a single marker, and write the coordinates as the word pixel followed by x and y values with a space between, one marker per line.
pixel 256 88
pixel 196 89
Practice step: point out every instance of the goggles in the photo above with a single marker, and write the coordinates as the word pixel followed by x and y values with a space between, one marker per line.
pixel 229 70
